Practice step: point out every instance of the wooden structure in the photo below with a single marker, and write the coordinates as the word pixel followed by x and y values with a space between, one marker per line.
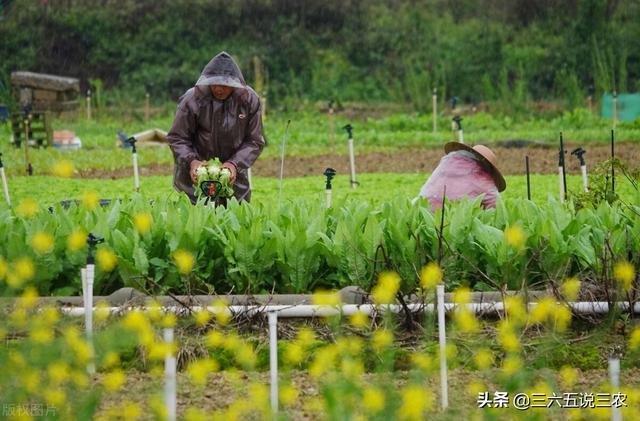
pixel 39 95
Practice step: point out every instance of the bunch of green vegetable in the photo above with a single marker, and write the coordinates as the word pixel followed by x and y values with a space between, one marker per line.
pixel 213 171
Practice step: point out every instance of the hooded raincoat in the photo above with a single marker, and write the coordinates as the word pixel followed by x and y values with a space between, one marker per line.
pixel 205 127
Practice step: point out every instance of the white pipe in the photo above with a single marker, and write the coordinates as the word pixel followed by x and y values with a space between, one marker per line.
pixel 560 177
pixel 5 186
pixel 273 359
pixel 87 276
pixel 328 191
pixel 309 310
pixel 442 336
pixel 460 136
pixel 614 378
pixel 136 177
pixel 169 376
pixel 352 163
pixel 585 179
pixel 249 178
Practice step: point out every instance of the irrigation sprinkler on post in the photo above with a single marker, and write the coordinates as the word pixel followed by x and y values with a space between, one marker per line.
pixel 526 164
pixel 442 336
pixel 169 376
pixel 273 359
pixel 561 171
pixel 458 121
pixel 284 141
pixel 614 379
pixel 332 124
pixel 579 153
pixel 329 173
pixel 88 274
pixel 352 160
pixel 26 109
pixel 5 186
pixel 134 155
pixel 88 104
pixel 434 108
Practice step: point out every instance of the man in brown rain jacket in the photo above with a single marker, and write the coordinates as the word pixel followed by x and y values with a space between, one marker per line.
pixel 219 117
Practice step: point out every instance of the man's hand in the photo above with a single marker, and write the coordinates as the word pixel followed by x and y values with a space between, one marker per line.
pixel 232 169
pixel 194 166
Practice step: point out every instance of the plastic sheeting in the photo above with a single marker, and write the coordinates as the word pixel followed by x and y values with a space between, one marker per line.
pixel 463 176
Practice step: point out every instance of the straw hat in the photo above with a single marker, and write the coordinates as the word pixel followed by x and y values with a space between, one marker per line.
pixel 485 155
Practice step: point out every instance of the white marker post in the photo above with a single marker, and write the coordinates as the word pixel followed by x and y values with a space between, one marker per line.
pixel 5 186
pixel 169 376
pixel 614 378
pixel 434 108
pixel 458 121
pixel 442 336
pixel 273 359
pixel 87 274
pixel 249 178
pixel 352 159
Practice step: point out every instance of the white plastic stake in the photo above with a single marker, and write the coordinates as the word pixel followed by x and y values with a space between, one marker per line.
pixel 352 163
pixel 585 179
pixel 444 391
pixel 328 191
pixel 560 177
pixel 273 359
pixel 136 176
pixel 5 186
pixel 434 107
pixel 169 376
pixel 249 178
pixel 614 379
pixel 87 275
pixel 460 136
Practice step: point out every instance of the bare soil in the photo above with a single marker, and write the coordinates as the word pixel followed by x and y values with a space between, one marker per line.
pixel 543 159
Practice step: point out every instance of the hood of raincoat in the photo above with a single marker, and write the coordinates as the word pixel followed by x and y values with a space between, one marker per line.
pixel 222 70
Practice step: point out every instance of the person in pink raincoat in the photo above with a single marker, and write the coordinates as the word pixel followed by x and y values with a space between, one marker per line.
pixel 464 171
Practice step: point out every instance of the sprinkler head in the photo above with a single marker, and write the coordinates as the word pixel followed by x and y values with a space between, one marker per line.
pixel 93 240
pixel 349 129
pixel 132 141
pixel 458 120
pixel 329 173
pixel 579 153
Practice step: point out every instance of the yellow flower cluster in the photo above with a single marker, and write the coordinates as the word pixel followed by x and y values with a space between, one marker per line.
pixel 625 273
pixel 386 289
pixel 430 276
pixel 326 298
pixel 515 237
pixel 142 222
pixel 184 260
pixel 63 168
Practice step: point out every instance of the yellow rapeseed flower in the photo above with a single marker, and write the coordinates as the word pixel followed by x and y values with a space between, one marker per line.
pixel 111 359
pixel 305 336
pixel 28 298
pixel 214 339
pixel 386 289
pixel 41 334
pixel 27 208
pixel 326 298
pixel 102 311
pixel 246 356
pixel 324 361
pixel 570 288
pixel 31 380
pixel 625 273
pixel 202 317
pixel 90 200
pixel 483 359
pixel 63 168
pixel 476 387
pixel 114 380
pixel 507 337
pixel 55 397
pixel 294 353
pixel 543 310
pixel 221 311
pixel 422 361
pixel 415 400
pixel 466 321
pixel 430 276
pixel 634 339
pixel 77 240
pixel 42 242
pixel 569 376
pixel 199 370
pixel 511 365
pixel 142 222
pixel 58 372
pixel 381 339
pixel 359 320
pixel 515 237
pixel 288 395
pixel 184 260
pixel 373 400
pixel 462 295
pixel 4 268
pixel 561 317
pixel 131 411
pixel 516 309
pixel 169 320
pixel 106 259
